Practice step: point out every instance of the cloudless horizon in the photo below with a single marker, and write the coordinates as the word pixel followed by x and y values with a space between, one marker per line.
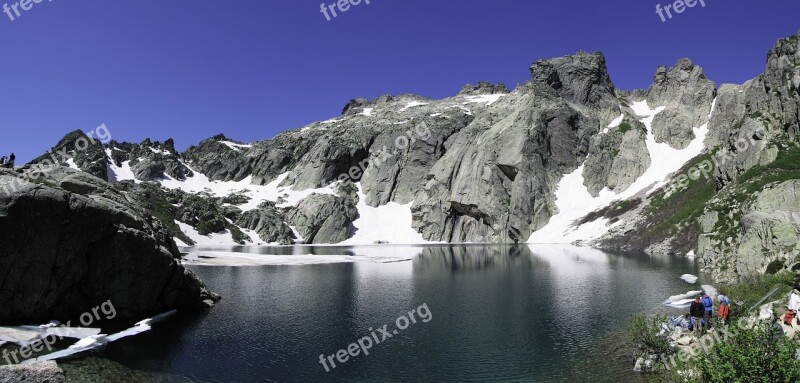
pixel 253 68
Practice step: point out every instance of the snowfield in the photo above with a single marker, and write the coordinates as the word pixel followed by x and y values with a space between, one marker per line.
pixel 574 201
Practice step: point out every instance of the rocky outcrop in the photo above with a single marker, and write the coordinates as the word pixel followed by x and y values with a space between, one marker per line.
pixel 270 224
pixel 70 242
pixel 39 372
pixel 749 116
pixel 687 95
pixel 483 87
pixel 765 237
pixel 324 218
pixel 221 159
pixel 150 161
pixel 617 159
pixel 83 151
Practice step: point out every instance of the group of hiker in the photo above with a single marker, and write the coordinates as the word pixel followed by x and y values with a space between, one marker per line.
pixel 8 162
pixel 702 310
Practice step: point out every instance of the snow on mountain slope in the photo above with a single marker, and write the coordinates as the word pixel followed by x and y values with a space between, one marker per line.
pixel 258 194
pixel 119 173
pixel 390 223
pixel 574 200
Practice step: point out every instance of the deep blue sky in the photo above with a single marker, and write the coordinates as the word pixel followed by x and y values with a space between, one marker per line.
pixel 189 69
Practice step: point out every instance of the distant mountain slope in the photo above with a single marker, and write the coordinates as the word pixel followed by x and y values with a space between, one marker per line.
pixel 565 157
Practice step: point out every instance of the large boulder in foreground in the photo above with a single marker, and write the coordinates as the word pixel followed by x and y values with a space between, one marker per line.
pixel 69 241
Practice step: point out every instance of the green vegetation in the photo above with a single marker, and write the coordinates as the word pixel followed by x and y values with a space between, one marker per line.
pixel 670 214
pixel 625 127
pixel 752 289
pixel 785 167
pixel 735 196
pixel 758 354
pixel 644 334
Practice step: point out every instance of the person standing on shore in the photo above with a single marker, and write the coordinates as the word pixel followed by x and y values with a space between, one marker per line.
pixel 11 160
pixel 724 308
pixel 708 308
pixel 3 162
pixel 696 310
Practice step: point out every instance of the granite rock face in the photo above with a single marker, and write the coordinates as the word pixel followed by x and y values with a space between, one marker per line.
pixel 767 236
pixel 687 95
pixel 70 242
pixel 618 158
pixel 270 224
pixel 495 182
pixel 325 218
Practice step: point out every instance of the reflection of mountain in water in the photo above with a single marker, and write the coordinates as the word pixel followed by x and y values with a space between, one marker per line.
pixel 570 259
pixel 475 257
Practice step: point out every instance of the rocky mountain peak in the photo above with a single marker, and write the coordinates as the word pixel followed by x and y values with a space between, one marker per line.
pixel 783 64
pixel 581 78
pixel 354 106
pixel 482 88
pixel 684 83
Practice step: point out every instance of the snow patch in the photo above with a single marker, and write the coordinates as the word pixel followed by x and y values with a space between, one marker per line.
pixel 487 99
pixel 213 239
pixel 390 223
pixel 235 146
pixel 413 104
pixel 121 173
pixel 71 163
pixel 574 201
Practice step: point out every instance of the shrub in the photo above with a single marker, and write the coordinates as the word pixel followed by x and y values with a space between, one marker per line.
pixel 644 332
pixel 751 355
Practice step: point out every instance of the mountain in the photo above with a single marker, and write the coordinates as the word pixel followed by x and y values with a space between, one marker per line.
pixel 683 167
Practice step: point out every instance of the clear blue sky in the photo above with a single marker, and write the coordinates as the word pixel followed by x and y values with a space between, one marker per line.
pixel 189 69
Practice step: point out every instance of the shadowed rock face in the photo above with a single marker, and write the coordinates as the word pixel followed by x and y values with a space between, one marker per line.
pixel 72 242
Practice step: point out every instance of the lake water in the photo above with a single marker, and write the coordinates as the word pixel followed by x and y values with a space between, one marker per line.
pixel 497 313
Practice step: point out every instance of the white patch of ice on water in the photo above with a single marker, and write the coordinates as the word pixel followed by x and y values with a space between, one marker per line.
pixel 689 278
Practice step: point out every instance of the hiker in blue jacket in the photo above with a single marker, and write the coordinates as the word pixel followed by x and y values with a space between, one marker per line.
pixel 708 304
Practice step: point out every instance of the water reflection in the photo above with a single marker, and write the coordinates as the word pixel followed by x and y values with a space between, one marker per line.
pixel 504 312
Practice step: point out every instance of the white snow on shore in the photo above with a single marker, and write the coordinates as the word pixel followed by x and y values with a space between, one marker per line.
pixel 682 300
pixel 574 201
pixel 368 254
